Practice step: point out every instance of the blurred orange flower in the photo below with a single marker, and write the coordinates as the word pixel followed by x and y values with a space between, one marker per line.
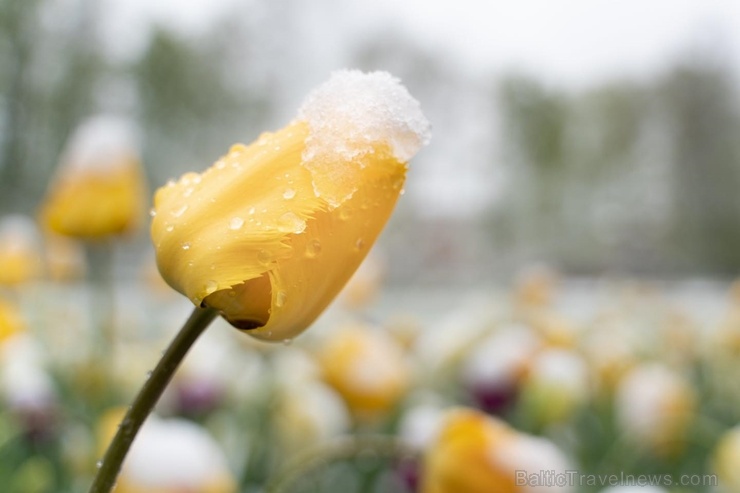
pixel 475 453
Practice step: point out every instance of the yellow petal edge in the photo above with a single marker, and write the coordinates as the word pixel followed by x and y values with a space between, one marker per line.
pixel 270 233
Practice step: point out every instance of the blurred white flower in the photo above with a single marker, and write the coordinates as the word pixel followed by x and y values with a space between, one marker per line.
pixel 654 406
pixel 309 413
pixel 556 385
pixel 172 456
pixel 493 370
pixel 634 489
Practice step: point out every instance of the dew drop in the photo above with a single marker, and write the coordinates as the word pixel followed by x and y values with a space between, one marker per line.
pixel 99 464
pixel 280 298
pixel 345 213
pixel 190 263
pixel 148 376
pixel 403 191
pixel 359 244
pixel 211 286
pixel 288 194
pixel 169 228
pixel 288 341
pixel 186 246
pixel 290 223
pixel 220 164
pixel 188 192
pixel 264 256
pixel 236 223
pixel 180 210
pixel 152 212
pixel 313 249
pixel 251 211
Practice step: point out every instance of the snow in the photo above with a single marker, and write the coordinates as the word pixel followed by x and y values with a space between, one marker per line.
pixel 353 111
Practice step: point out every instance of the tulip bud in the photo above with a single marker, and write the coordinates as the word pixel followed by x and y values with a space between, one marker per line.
pixel 475 453
pixel 725 459
pixel 272 231
pixel 11 321
pixel 654 407
pixel 367 368
pixel 99 187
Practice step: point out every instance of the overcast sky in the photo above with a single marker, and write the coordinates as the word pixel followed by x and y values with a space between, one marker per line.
pixel 570 41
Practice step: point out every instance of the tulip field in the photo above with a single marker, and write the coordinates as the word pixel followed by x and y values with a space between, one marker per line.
pixel 391 391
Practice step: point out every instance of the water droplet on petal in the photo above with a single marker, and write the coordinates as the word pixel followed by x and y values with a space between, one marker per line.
pixel 264 256
pixel 99 464
pixel 288 341
pixel 251 211
pixel 236 223
pixel 180 210
pixel 345 213
pixel 280 298
pixel 288 194
pixel 211 286
pixel 169 228
pixel 186 246
pixel 220 164
pixel 313 249
pixel 291 223
pixel 359 244
pixel 152 212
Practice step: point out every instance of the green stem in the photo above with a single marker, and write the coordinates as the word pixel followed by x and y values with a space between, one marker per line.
pixel 101 259
pixel 148 396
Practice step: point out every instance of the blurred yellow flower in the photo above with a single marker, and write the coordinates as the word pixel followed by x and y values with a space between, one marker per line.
pixel 726 458
pixel 99 186
pixel 367 368
pixel 20 259
pixel 272 231
pixel 475 453
pixel 11 322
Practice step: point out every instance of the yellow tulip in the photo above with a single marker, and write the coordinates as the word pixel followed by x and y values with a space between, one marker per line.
pixel 726 457
pixel 367 368
pixel 272 231
pixel 11 321
pixel 655 407
pixel 476 453
pixel 99 187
